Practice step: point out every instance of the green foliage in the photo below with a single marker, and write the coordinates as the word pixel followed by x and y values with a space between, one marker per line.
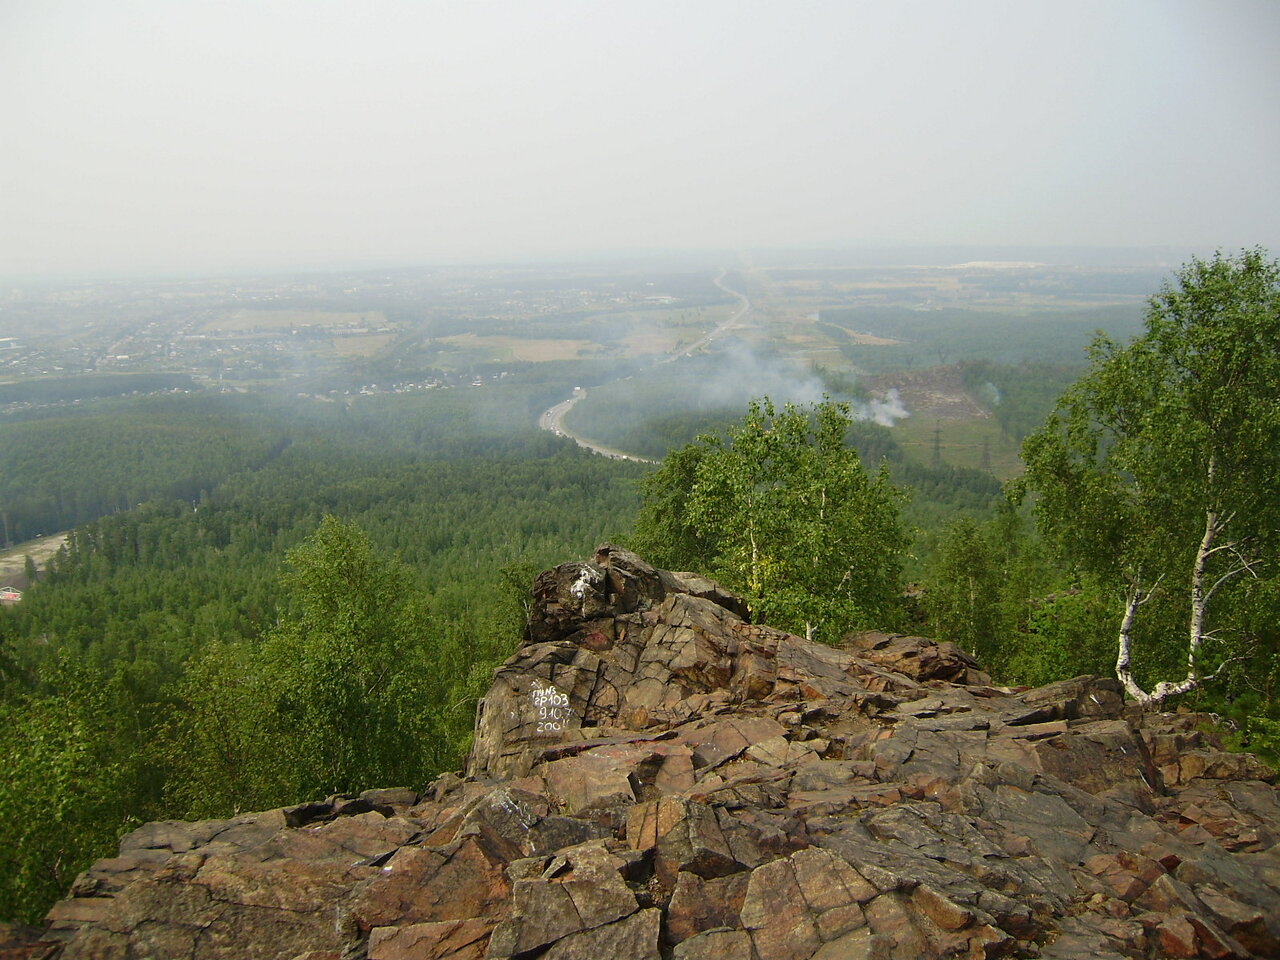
pixel 337 698
pixel 991 587
pixel 784 512
pixel 74 466
pixel 65 796
pixel 13 678
pixel 219 746
pixel 1261 735
pixel 952 334
pixel 1156 472
pixel 963 596
pixel 90 386
pixel 666 533
pixel 351 667
pixel 1067 634
pixel 1019 396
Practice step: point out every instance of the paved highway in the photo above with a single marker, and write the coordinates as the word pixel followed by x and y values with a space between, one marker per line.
pixel 730 324
pixel 553 418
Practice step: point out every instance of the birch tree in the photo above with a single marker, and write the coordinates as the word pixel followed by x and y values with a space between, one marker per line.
pixel 963 595
pixel 343 693
pixel 1157 471
pixel 785 513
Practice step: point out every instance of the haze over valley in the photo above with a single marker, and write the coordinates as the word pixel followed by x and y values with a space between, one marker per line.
pixel 326 328
pixel 669 336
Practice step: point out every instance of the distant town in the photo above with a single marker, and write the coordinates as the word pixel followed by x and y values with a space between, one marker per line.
pixel 446 328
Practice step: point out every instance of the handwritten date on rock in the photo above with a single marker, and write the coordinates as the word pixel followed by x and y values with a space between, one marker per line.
pixel 552 709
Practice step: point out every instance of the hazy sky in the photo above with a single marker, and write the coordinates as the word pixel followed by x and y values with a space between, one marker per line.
pixel 146 135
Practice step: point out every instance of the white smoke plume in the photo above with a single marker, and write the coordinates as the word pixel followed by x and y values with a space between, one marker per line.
pixel 886 410
pixel 742 373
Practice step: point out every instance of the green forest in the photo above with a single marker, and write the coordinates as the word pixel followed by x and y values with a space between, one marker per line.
pixel 265 598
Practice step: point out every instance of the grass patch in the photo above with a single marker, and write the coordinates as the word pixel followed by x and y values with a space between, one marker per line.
pixel 977 444
pixel 367 345
pixel 517 348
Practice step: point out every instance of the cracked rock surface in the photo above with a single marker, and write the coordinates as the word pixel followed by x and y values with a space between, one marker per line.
pixel 655 777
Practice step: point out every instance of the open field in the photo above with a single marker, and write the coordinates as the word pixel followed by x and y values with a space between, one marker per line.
pixel 517 348
pixel 668 332
pixel 650 340
pixel 288 319
pixel 978 444
pixel 871 340
pixel 932 393
pixel 1017 285
pixel 945 418
pixel 649 332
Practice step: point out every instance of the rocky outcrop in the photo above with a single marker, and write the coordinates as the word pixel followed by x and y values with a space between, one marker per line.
pixel 654 776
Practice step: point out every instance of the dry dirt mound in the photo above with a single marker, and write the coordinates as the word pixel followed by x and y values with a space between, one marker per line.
pixel 653 777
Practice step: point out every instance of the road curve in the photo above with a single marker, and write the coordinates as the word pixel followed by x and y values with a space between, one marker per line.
pixel 552 419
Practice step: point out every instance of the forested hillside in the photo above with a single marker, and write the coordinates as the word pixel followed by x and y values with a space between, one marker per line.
pixel 267 597
pixel 922 338
pixel 179 603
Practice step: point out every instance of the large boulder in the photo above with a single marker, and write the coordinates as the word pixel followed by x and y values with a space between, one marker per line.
pixel 654 776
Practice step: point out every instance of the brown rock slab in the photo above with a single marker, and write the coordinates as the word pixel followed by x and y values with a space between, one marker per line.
pixel 889 918
pixel 445 940
pixel 826 881
pixel 18 942
pixel 776 915
pixel 685 835
pixel 699 905
pixel 463 880
pixel 917 657
pixel 1176 937
pixel 715 945
pixel 589 781
pixel 633 936
pixel 858 945
pixel 945 913
pixel 580 889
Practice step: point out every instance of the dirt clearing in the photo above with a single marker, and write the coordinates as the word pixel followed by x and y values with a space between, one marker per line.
pixel 14 560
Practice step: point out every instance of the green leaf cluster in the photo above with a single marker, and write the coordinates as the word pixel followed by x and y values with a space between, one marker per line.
pixel 784 512
pixel 1156 473
pixel 64 796
pixel 346 691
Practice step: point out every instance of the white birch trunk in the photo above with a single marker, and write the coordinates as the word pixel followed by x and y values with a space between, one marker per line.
pixel 1132 601
pixel 1195 633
